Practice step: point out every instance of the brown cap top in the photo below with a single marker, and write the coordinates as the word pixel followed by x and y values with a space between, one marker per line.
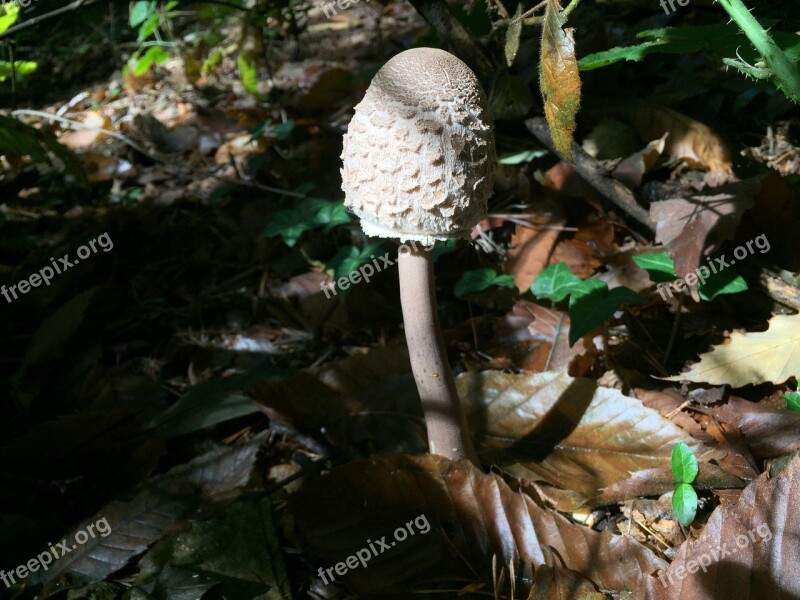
pixel 419 154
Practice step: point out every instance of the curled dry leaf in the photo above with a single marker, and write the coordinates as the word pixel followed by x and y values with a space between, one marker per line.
pixel 567 431
pixel 752 357
pixel 473 516
pixel 768 431
pixel 559 78
pixel 747 552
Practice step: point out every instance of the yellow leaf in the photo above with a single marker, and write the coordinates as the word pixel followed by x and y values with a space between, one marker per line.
pixel 559 79
pixel 752 357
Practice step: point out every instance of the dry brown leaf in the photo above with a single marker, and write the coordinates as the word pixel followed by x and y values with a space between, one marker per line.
pixel 752 357
pixel 472 517
pixel 83 138
pixel 692 228
pixel 768 431
pixel 559 78
pixel 688 140
pixel 748 552
pixel 567 431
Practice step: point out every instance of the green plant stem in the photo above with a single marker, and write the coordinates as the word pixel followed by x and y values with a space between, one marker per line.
pixel 787 74
pixel 565 14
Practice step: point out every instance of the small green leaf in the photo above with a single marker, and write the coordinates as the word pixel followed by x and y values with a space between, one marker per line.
pixel 154 56
pixel 555 283
pixel 349 258
pixel 312 213
pixel 724 282
pixel 140 10
pixel 149 27
pixel 591 304
pixel 525 156
pixel 684 503
pixel 8 16
pixel 684 463
pixel 659 266
pixel 21 68
pixel 513 34
pixel 248 74
pixel 792 401
pixel 480 280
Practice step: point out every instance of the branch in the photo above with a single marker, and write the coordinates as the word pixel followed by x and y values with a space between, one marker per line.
pixel 595 174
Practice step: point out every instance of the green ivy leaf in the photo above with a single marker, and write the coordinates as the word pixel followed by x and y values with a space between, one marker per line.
pixel 792 401
pixel 591 304
pixel 659 266
pixel 684 503
pixel 555 283
pixel 480 280
pixel 312 213
pixel 724 282
pixel 684 463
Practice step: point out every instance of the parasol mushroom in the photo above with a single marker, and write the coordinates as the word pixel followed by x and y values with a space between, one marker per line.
pixel 418 164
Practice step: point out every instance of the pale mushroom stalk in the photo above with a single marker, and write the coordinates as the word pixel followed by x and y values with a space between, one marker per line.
pixel 448 434
pixel 418 163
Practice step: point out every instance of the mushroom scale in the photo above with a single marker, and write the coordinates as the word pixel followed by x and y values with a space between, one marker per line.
pixel 419 155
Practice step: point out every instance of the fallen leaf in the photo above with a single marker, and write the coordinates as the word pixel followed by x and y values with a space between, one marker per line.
pixel 752 357
pixel 747 552
pixel 689 140
pixel 566 430
pixel 769 432
pixel 693 227
pixel 559 78
pixel 472 516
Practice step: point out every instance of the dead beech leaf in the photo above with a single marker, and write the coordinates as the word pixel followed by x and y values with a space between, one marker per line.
pixel 752 357
pixel 165 504
pixel 567 431
pixel 93 121
pixel 689 140
pixel 559 79
pixel 748 552
pixel 769 432
pixel 472 516
pixel 693 227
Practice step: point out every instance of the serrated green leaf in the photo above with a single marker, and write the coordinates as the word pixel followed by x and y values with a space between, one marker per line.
pixel 555 283
pixel 312 213
pixel 684 463
pixel 350 258
pixel 684 503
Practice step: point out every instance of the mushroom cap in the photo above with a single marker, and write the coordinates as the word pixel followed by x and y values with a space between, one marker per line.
pixel 419 156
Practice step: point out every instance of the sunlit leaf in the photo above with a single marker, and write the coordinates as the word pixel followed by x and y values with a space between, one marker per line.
pixel 684 463
pixel 684 503
pixel 559 78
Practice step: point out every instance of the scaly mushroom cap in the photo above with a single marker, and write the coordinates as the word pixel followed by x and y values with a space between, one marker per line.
pixel 419 154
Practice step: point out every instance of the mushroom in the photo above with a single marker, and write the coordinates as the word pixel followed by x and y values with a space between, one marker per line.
pixel 418 163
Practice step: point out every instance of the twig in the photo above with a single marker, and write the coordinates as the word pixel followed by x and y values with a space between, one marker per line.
pixel 78 125
pixel 567 11
pixel 595 174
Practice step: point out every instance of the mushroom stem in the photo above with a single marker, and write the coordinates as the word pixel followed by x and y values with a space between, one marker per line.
pixel 448 435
